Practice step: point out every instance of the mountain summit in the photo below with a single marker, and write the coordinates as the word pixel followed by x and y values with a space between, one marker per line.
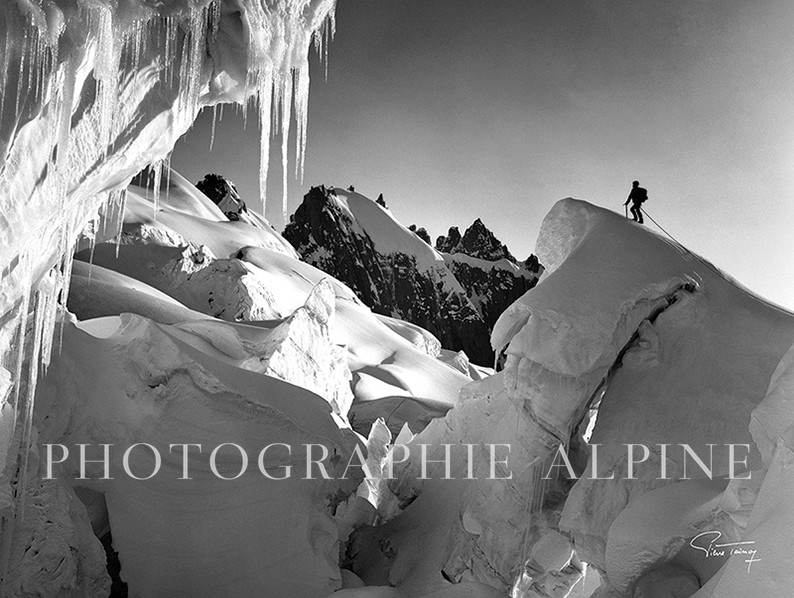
pixel 478 241
pixel 457 295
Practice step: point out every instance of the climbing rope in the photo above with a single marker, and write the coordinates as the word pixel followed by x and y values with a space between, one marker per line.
pixel 713 268
pixel 665 232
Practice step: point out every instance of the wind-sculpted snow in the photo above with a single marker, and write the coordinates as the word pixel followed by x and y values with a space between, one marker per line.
pixel 471 529
pixel 160 385
pixel 388 358
pixel 179 208
pixel 684 354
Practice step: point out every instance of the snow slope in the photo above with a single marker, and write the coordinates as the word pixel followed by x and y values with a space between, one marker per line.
pixel 248 269
pixel 203 536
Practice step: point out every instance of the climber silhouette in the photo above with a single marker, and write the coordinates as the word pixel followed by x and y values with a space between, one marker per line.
pixel 636 197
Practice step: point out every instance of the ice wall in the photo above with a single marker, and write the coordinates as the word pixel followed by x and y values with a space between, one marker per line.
pixel 677 353
pixel 91 92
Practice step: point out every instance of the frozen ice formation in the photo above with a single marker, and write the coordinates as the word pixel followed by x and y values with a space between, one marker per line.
pixel 671 351
pixel 90 93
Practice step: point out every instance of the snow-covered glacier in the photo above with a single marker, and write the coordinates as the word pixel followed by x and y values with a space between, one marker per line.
pixel 175 327
pixel 666 350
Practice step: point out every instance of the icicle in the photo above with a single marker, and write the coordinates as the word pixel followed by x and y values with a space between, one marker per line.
pixel 35 74
pixel 171 27
pixel 323 38
pixel 214 11
pixel 301 117
pixel 244 109
pixel 157 170
pixel 286 116
pixel 138 36
pixel 167 167
pixel 66 286
pixel 33 60
pixel 64 125
pixel 214 119
pixel 41 312
pixel 51 294
pixel 4 66
pixel 92 247
pixel 22 327
pixel 106 73
pixel 119 200
pixel 265 109
pixel 193 58
pixel 22 56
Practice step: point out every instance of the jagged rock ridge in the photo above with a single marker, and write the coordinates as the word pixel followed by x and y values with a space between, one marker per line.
pixel 396 272
pixel 478 241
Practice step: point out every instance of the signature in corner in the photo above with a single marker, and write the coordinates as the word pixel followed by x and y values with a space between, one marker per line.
pixel 706 542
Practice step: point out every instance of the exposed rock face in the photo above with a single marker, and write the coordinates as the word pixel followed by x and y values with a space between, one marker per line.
pixel 224 194
pixel 449 243
pixel 478 241
pixel 421 233
pixel 492 286
pixel 395 272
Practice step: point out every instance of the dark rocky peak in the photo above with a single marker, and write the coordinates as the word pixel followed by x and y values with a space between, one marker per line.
pixel 478 241
pixel 532 264
pixel 317 217
pixel 421 233
pixel 224 194
pixel 449 243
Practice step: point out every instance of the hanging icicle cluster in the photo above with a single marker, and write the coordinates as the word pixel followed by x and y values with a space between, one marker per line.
pixel 79 82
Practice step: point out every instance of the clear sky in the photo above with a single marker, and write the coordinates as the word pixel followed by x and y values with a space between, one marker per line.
pixel 459 109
